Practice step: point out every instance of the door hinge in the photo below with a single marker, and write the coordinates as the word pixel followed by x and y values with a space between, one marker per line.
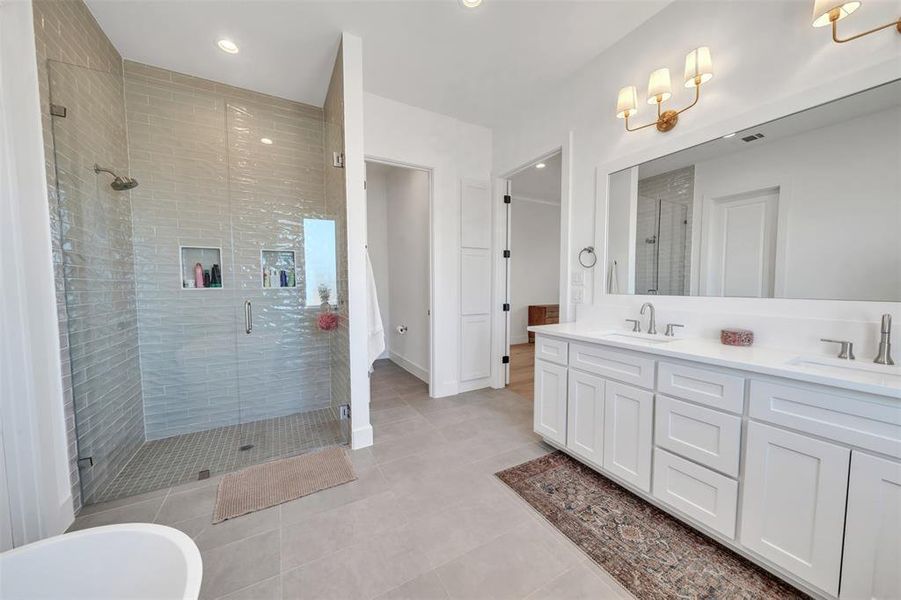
pixel 506 254
pixel 58 110
pixel 507 199
pixel 344 411
pixel 505 360
pixel 506 307
pixel 338 159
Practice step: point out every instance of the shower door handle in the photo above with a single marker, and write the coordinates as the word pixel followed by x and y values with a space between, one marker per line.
pixel 248 317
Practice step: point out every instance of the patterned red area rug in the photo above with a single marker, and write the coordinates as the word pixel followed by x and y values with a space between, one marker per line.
pixel 652 554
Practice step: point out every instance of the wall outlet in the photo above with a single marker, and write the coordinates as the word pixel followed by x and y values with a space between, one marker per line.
pixel 578 278
pixel 577 295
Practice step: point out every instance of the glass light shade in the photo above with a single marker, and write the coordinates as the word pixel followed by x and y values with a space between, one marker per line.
pixel 627 102
pixel 659 88
pixel 698 64
pixel 822 8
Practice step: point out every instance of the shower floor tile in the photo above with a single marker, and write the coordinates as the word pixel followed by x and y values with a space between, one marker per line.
pixel 170 461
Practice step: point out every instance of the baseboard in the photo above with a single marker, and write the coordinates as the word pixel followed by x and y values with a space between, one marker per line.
pixel 475 384
pixel 361 437
pixel 410 367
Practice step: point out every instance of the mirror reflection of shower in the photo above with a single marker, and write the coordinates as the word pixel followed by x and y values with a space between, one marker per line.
pixel 119 182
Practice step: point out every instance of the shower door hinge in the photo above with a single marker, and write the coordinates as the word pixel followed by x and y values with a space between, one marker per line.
pixel 506 254
pixel 87 461
pixel 338 159
pixel 58 110
pixel 506 307
pixel 505 360
pixel 507 199
pixel 344 411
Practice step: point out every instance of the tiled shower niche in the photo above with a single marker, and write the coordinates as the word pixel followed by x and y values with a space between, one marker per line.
pixel 277 269
pixel 210 261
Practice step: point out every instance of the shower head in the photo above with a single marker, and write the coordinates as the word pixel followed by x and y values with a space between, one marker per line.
pixel 119 183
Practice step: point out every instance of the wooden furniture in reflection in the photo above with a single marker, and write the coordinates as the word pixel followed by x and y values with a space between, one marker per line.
pixel 543 314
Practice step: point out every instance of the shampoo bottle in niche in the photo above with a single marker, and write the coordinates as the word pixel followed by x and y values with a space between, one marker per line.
pixel 265 277
pixel 198 275
pixel 283 278
pixel 216 277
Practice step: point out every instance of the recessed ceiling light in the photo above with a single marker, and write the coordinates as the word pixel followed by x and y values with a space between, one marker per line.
pixel 728 135
pixel 540 166
pixel 470 3
pixel 228 46
pixel 266 141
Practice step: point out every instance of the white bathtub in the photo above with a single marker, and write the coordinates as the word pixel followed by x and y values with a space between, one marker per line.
pixel 134 560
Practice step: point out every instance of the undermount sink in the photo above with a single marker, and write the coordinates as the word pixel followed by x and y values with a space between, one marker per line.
pixel 626 336
pixel 820 364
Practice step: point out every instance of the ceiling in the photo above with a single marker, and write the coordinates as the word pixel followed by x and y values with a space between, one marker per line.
pixel 472 64
pixel 540 184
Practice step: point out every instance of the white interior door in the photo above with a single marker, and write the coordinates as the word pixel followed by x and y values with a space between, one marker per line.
pixel 741 244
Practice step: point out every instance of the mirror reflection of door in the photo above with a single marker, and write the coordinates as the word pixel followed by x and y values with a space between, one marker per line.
pixel 741 232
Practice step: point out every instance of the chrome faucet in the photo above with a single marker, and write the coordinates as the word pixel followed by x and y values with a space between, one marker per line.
pixel 884 356
pixel 652 321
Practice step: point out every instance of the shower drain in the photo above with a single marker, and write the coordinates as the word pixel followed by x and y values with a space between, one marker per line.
pixel 245 447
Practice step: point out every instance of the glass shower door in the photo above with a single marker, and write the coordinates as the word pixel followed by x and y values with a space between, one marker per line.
pixel 283 357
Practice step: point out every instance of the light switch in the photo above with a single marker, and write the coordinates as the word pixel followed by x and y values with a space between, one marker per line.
pixel 578 278
pixel 577 295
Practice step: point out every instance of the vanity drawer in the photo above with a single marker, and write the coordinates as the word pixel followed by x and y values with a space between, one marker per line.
pixel 719 390
pixel 705 496
pixel 620 365
pixel 870 422
pixel 706 436
pixel 551 350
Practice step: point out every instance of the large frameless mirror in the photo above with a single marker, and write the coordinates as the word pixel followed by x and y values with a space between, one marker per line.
pixel 806 206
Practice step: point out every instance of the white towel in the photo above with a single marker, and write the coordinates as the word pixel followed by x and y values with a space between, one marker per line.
pixel 613 283
pixel 376 331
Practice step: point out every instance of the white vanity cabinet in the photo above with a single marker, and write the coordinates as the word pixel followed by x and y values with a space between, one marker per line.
pixel 871 563
pixel 793 507
pixel 628 421
pixel 817 468
pixel 550 401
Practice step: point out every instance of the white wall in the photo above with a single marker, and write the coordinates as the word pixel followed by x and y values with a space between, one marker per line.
pixel 768 63
pixel 35 478
pixel 398 216
pixel 377 240
pixel 408 264
pixel 840 205
pixel 453 150
pixel 534 260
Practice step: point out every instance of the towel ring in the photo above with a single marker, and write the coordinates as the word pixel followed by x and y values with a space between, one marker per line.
pixel 588 250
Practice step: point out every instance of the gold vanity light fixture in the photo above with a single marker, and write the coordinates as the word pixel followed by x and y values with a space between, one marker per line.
pixel 698 70
pixel 826 12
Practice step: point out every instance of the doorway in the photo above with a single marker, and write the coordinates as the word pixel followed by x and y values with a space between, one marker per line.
pixel 398 213
pixel 533 226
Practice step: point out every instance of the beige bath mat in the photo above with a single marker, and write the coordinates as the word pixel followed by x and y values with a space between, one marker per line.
pixel 269 484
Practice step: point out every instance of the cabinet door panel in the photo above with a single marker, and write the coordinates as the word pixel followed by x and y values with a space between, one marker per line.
pixel 871 566
pixel 550 401
pixel 585 417
pixel 628 414
pixel 793 508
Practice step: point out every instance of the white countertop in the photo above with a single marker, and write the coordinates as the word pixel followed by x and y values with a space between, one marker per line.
pixel 768 361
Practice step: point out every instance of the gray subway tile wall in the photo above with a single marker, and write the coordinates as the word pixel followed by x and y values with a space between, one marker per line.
pixel 209 181
pixel 66 32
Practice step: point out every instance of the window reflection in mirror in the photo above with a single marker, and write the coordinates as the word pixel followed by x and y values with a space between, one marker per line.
pixel 320 264
pixel 806 206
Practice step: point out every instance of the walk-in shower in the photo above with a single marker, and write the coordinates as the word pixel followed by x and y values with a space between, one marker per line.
pixel 190 303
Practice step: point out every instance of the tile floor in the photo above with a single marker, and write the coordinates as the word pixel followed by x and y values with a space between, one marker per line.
pixel 179 459
pixel 426 518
